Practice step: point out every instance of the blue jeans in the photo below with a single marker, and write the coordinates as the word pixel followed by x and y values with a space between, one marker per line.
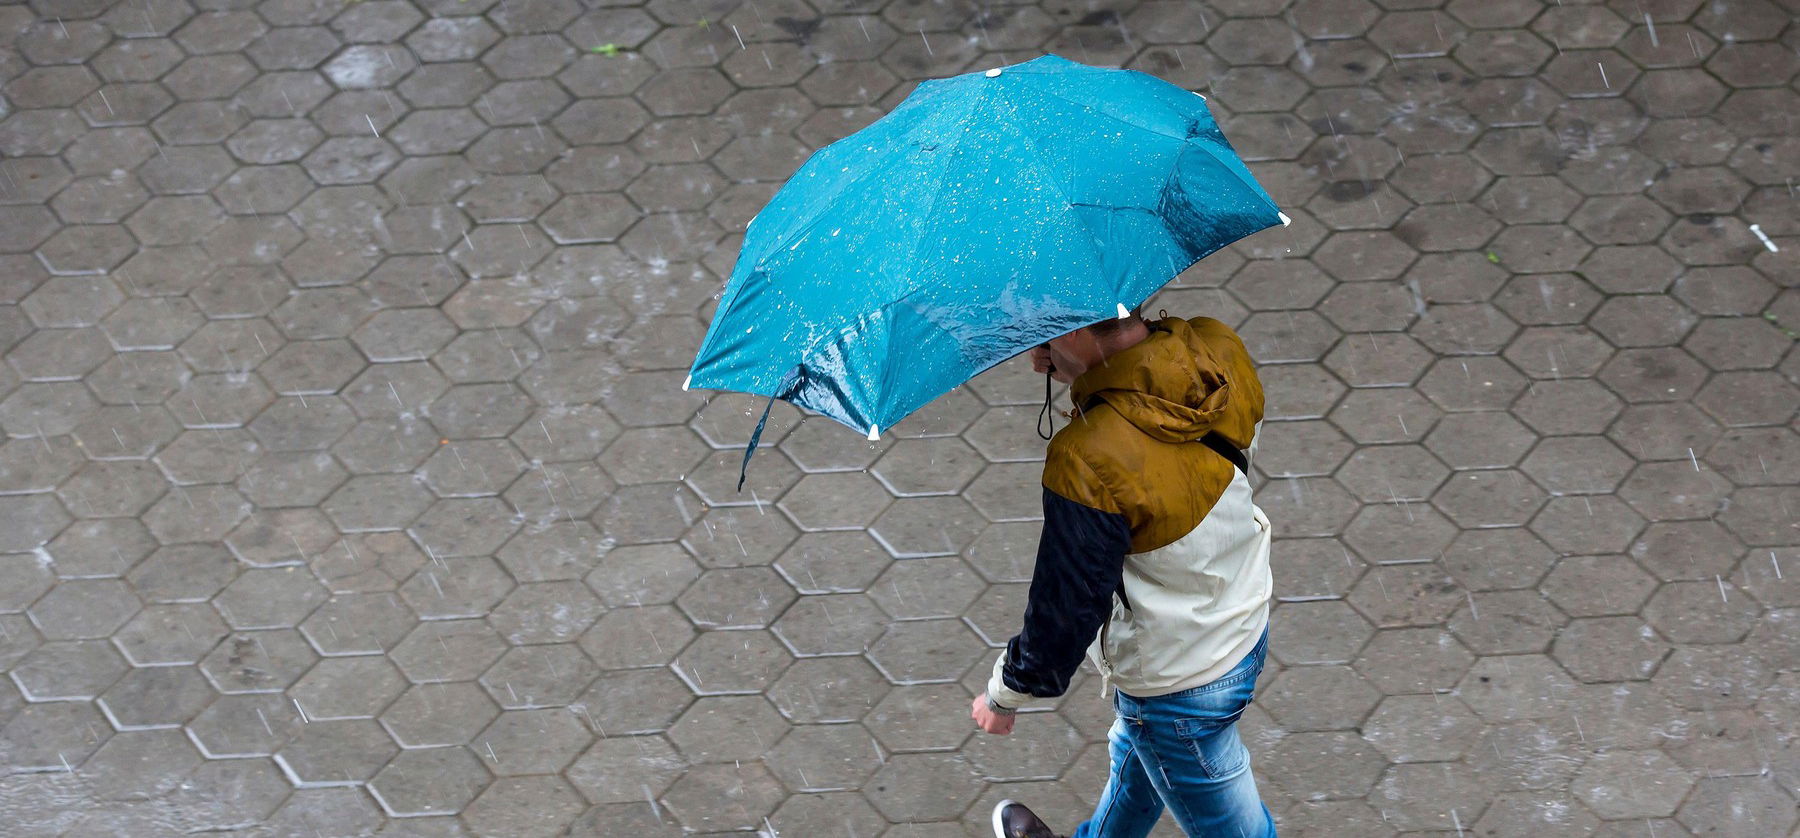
pixel 1182 751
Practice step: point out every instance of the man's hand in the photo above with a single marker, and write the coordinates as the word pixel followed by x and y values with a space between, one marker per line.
pixel 1040 359
pixel 989 720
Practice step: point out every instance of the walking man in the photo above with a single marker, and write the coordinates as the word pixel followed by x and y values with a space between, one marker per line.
pixel 1155 561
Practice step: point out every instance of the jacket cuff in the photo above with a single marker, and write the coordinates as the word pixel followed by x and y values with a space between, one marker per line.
pixel 997 690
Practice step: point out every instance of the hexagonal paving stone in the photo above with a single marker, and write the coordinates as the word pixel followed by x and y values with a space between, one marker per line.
pixel 618 769
pixel 367 562
pixel 1516 687
pixel 526 805
pixel 1754 805
pixel 83 609
pixel 140 763
pixel 467 587
pixel 923 527
pixel 239 726
pixel 472 468
pixel 1298 762
pixel 431 781
pixel 1395 728
pixel 1406 595
pixel 348 688
pixel 923 787
pixel 727 728
pixel 830 625
pixel 1698 612
pixel 649 635
pixel 634 701
pixel 817 758
pixel 1317 631
pixel 271 598
pixel 258 661
pixel 835 501
pixel 924 588
pixel 814 565
pixel 448 650
pixel 733 537
pixel 920 718
pixel 52 737
pixel 113 489
pixel 170 634
pixel 1497 559
pixel 1507 622
pixel 531 741
pixel 934 466
pixel 335 753
pixel 732 662
pixel 724 797
pixel 355 624
pixel 1626 714
pixel 926 651
pixel 69 670
pixel 1319 698
pixel 533 677
pixel 555 551
pixel 434 715
pixel 157 696
pixel 545 612
pixel 827 690
pixel 736 598
pixel 1372 416
pixel 1609 649
pixel 1040 751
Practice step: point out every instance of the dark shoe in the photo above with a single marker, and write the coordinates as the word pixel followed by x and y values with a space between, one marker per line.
pixel 1013 820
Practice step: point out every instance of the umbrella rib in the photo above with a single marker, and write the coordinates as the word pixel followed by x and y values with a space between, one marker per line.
pixel 883 310
pixel 1043 159
pixel 777 245
pixel 1206 147
pixel 1111 116
pixel 949 155
pixel 827 201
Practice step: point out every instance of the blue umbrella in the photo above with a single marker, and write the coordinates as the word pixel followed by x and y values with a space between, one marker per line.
pixel 986 214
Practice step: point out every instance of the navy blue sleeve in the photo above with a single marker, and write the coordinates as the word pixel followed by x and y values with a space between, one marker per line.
pixel 1080 563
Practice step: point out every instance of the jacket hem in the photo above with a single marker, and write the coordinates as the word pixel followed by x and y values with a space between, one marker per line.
pixel 1210 674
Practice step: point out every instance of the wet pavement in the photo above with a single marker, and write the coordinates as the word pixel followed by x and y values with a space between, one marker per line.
pixel 348 486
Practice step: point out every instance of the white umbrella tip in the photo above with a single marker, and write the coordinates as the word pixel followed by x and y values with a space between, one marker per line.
pixel 1123 311
pixel 686 384
pixel 874 433
pixel 992 73
pixel 1285 220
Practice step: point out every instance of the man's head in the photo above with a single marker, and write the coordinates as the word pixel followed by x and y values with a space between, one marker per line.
pixel 1065 358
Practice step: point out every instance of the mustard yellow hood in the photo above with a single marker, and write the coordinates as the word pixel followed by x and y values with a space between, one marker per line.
pixel 1170 385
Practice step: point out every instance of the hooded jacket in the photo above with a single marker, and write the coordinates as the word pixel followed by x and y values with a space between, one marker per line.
pixel 1153 558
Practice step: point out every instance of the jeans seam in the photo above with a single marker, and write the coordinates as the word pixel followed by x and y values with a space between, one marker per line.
pixel 1112 800
pixel 1172 801
pixel 1226 681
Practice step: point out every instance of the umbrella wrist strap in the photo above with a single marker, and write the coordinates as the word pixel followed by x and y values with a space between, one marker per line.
pixel 755 437
pixel 1044 416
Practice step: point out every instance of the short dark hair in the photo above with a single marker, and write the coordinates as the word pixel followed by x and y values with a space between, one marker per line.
pixel 1114 325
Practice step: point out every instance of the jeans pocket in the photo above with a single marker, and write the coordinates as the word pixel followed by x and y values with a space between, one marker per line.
pixel 1215 744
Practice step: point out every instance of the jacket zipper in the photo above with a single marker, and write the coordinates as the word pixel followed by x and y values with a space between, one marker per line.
pixel 1105 663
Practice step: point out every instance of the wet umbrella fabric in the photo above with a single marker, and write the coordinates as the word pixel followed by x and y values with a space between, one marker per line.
pixel 987 213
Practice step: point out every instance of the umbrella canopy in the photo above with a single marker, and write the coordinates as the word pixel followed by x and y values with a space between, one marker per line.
pixel 986 214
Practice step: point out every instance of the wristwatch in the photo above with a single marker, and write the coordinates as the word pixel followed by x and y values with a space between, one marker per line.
pixel 999 710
